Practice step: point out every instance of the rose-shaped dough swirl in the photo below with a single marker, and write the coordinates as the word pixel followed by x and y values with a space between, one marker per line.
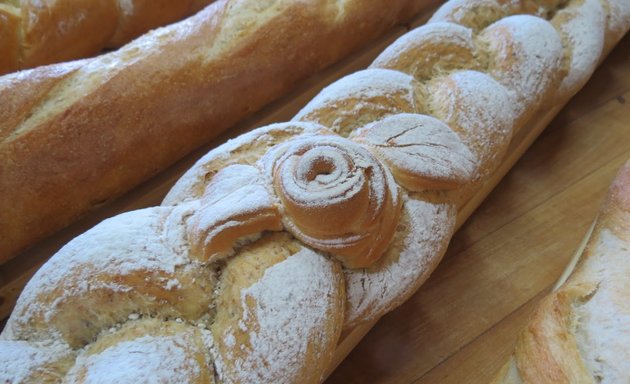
pixel 336 197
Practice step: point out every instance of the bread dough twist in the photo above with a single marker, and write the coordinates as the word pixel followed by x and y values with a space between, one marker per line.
pixel 336 197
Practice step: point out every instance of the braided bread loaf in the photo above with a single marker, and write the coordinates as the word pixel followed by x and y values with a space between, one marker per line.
pixel 273 243
pixel 104 125
pixel 34 33
pixel 580 332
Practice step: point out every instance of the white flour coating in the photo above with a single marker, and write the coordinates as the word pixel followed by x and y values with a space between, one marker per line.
pixel 409 261
pixel 236 189
pixel 526 54
pixel 126 7
pixel 365 84
pixel 234 192
pixel 146 359
pixel 584 33
pixel 34 11
pixel 21 359
pixel 72 20
pixel 457 11
pixel 369 90
pixel 464 11
pixel 350 173
pixel 231 180
pixel 293 300
pixel 478 108
pixel 344 181
pixel 439 33
pixel 117 247
pixel 187 187
pixel 420 145
pixel 603 326
pixel 351 167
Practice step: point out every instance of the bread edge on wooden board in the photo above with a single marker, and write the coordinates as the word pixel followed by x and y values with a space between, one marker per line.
pixel 74 135
pixel 580 332
pixel 38 33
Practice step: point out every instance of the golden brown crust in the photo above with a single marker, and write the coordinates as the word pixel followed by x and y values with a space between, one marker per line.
pixel 9 37
pixel 538 360
pixel 63 29
pixel 53 31
pixel 27 92
pixel 145 15
pixel 619 199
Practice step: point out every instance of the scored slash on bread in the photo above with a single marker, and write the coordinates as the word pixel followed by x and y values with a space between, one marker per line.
pixel 277 301
pixel 580 332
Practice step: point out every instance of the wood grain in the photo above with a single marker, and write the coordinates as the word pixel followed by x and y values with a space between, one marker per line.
pixel 463 322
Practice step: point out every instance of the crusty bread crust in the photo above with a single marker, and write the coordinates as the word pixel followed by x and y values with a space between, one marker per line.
pixel 35 33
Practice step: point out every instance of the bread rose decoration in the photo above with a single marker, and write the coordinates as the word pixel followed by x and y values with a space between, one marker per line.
pixel 336 196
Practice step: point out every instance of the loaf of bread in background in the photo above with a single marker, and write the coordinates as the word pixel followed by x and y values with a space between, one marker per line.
pixel 76 134
pixel 34 33
pixel 580 332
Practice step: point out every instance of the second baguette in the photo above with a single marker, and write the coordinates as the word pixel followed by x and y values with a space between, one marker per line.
pixel 37 32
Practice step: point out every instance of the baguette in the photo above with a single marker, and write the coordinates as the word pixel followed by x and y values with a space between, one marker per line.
pixel 75 135
pixel 580 332
pixel 34 33
pixel 273 243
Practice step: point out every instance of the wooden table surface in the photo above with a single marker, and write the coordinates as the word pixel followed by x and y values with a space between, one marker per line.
pixel 462 324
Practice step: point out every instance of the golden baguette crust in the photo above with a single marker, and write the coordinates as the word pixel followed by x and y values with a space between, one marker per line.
pixel 59 30
pixel 580 333
pixel 75 135
pixel 9 34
